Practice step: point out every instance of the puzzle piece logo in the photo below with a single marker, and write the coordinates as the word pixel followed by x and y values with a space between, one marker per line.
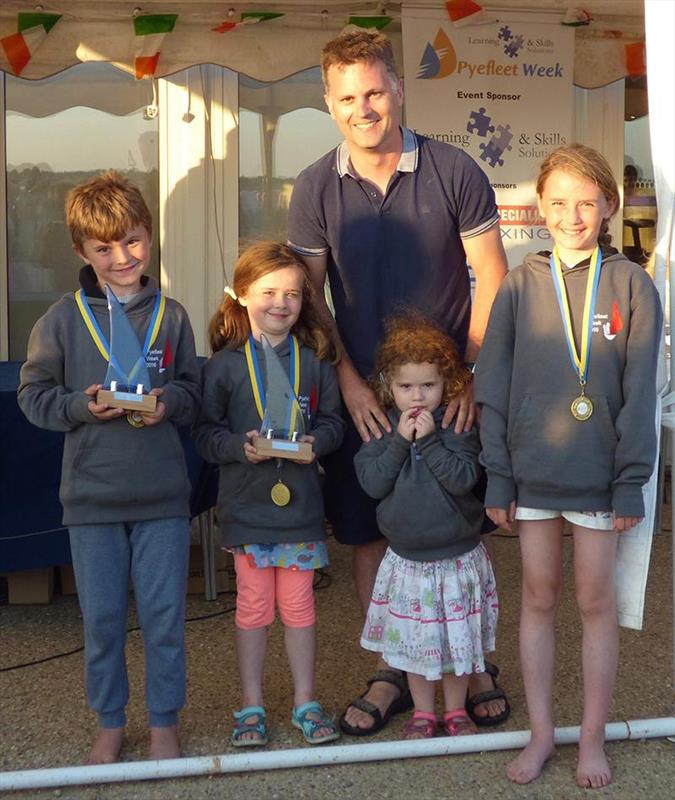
pixel 512 44
pixel 499 143
pixel 439 59
pixel 479 123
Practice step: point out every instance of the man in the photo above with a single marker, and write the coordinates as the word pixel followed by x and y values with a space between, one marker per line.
pixel 392 218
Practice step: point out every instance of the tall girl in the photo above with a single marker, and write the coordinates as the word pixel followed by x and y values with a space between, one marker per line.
pixel 434 606
pixel 270 510
pixel 566 382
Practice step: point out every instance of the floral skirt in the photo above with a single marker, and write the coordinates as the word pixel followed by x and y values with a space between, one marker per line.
pixel 433 617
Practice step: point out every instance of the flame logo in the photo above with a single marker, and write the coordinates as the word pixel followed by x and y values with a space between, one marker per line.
pixel 438 60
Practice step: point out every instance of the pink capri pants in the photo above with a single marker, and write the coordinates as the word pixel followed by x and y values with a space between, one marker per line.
pixel 260 589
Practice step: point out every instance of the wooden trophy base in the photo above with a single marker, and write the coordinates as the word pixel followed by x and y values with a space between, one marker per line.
pixel 129 401
pixel 282 448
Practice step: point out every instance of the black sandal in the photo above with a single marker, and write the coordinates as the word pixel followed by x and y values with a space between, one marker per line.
pixel 496 693
pixel 403 702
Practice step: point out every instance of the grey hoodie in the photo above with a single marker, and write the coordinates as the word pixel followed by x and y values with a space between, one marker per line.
pixel 112 472
pixel 534 451
pixel 246 513
pixel 427 509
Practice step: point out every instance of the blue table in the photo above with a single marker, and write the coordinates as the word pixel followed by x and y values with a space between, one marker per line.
pixel 31 533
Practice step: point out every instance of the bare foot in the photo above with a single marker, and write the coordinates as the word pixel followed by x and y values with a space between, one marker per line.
pixel 107 746
pixel 164 743
pixel 482 682
pixel 527 766
pixel 593 771
pixel 382 694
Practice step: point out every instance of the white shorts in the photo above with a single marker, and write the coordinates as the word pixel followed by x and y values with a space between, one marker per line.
pixel 596 520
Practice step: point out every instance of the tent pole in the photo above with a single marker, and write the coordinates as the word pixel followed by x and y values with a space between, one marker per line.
pixel 311 757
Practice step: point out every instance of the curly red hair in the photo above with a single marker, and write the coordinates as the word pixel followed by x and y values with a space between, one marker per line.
pixel 413 339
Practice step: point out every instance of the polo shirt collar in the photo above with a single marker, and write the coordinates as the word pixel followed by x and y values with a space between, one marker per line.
pixel 406 163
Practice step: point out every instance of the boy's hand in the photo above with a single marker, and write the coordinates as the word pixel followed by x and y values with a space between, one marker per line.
pixel 406 424
pixel 624 524
pixel 424 423
pixel 156 416
pixel 101 411
pixel 503 517
pixel 249 449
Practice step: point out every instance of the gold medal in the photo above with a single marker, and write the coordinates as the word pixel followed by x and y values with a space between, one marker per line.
pixel 581 407
pixel 135 419
pixel 280 494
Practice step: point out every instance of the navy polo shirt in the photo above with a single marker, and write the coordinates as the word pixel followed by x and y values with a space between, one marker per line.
pixel 394 252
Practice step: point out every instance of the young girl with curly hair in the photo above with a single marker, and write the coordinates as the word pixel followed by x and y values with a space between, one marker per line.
pixel 270 510
pixel 433 611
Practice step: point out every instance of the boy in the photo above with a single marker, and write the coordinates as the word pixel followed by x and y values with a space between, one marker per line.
pixel 124 487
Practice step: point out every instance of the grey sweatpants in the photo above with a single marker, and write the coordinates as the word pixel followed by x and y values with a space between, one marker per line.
pixel 154 554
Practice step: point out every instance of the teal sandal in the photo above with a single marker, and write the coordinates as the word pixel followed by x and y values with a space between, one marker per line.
pixel 243 725
pixel 309 727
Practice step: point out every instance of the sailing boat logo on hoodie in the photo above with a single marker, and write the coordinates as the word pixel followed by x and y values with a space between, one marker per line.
pixel 609 326
pixel 167 357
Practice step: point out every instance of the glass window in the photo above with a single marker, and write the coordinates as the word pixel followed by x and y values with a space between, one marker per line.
pixel 283 127
pixel 61 131
pixel 639 201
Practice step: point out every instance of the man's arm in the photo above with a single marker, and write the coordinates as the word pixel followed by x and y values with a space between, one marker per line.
pixel 485 253
pixel 358 397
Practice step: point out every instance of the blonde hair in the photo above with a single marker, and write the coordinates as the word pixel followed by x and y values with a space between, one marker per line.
pixel 354 46
pixel 230 327
pixel 585 162
pixel 106 208
pixel 412 339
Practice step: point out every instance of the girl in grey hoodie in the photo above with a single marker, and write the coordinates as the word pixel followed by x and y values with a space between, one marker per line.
pixel 566 381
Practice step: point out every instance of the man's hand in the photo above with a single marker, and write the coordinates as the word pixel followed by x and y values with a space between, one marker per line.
pixel 503 517
pixel 363 408
pixel 624 524
pixel 465 409
pixel 249 449
pixel 102 411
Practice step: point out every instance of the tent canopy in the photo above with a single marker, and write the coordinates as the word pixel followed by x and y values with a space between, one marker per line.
pixel 102 30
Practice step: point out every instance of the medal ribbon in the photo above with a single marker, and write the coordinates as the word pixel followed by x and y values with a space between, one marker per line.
pixel 257 382
pixel 97 334
pixel 580 361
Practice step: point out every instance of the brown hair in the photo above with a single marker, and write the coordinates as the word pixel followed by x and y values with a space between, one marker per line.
pixel 585 162
pixel 230 327
pixel 354 46
pixel 412 339
pixel 106 208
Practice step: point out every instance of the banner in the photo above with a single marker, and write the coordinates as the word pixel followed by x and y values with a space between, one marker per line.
pixel 503 93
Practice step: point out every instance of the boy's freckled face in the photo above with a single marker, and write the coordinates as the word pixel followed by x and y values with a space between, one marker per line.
pixel 417 386
pixel 119 264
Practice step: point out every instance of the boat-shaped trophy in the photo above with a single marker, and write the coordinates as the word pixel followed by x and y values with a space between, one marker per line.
pixel 127 379
pixel 283 424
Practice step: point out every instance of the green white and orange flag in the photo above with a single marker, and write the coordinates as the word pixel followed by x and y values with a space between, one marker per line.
pixel 247 18
pixel 150 30
pixel 32 30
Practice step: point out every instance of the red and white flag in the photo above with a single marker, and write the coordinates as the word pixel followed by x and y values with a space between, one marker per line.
pixel 32 30
pixel 150 30
pixel 466 12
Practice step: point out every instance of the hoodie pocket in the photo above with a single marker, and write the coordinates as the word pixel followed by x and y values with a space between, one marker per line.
pixel 551 450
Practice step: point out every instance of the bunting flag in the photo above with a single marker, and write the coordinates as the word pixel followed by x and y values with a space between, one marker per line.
pixel 636 59
pixel 150 30
pixel 370 22
pixel 247 18
pixel 32 31
pixel 575 17
pixel 466 12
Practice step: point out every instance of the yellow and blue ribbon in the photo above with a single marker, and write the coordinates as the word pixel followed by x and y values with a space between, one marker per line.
pixel 258 387
pixel 580 360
